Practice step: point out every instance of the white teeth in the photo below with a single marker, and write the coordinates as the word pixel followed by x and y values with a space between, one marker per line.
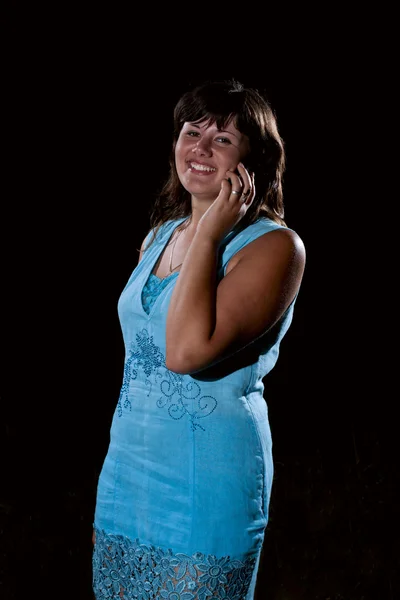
pixel 197 167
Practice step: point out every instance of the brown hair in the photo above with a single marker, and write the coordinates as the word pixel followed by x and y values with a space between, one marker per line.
pixel 221 102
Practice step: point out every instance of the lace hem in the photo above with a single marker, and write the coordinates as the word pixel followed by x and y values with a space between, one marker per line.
pixel 128 570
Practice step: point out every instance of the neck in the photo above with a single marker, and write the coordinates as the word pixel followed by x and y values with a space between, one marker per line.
pixel 199 207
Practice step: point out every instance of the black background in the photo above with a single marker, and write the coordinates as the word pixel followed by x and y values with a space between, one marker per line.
pixel 87 126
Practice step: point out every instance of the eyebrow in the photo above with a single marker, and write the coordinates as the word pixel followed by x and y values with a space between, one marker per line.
pixel 221 130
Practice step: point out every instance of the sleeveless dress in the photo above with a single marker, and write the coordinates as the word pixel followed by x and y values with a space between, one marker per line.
pixel 183 494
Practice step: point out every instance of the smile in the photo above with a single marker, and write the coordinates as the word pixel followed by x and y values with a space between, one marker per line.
pixel 204 168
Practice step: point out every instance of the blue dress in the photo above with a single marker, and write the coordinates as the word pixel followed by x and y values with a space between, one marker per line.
pixel 183 494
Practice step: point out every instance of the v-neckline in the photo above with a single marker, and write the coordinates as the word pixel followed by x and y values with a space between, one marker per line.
pixel 168 278
pixel 178 223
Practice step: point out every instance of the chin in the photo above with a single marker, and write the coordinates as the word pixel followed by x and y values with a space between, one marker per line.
pixel 200 188
pixel 202 191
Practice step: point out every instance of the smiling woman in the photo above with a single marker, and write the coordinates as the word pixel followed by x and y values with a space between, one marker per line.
pixel 183 495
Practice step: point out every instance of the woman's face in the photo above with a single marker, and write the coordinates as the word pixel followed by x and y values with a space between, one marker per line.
pixel 203 155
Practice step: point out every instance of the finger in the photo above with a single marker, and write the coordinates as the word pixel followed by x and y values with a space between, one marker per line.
pixel 249 195
pixel 245 193
pixel 236 184
pixel 245 176
pixel 248 184
pixel 226 186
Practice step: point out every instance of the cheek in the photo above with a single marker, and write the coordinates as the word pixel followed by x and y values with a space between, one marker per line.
pixel 179 155
pixel 180 147
pixel 180 166
pixel 179 163
pixel 233 157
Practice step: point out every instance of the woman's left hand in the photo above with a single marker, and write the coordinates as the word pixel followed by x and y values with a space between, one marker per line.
pixel 236 195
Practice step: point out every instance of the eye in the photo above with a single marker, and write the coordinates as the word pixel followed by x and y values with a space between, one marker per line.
pixel 223 140
pixel 192 133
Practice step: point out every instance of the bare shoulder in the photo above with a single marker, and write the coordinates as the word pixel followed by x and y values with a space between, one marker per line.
pixel 265 278
pixel 281 246
pixel 285 242
pixel 284 238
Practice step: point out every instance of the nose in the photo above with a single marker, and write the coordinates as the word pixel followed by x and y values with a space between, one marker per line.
pixel 203 147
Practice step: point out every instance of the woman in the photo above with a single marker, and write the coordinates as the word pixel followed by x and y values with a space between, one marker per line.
pixel 183 495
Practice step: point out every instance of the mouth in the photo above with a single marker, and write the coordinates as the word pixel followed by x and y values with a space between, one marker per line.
pixel 202 168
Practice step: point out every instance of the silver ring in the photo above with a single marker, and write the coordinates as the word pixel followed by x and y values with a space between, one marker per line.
pixel 235 192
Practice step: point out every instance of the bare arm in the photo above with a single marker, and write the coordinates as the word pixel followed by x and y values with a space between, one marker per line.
pixel 206 322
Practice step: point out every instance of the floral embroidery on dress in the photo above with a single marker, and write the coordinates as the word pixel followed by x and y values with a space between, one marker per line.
pixel 176 389
pixel 128 570
pixel 152 289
